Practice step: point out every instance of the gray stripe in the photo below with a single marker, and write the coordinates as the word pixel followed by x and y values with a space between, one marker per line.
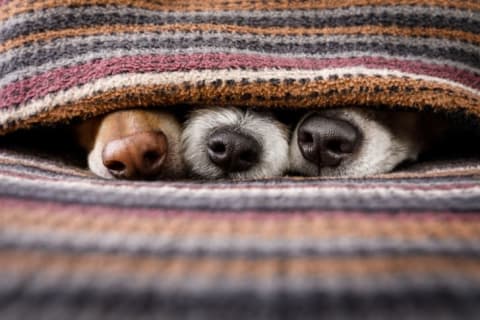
pixel 269 199
pixel 409 16
pixel 175 43
pixel 284 182
pixel 56 171
pixel 29 71
pixel 398 296
pixel 184 245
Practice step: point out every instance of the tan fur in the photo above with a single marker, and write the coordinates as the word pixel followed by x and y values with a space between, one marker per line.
pixel 94 134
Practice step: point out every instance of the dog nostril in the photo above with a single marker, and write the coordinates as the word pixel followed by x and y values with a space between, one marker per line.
pixel 218 147
pixel 151 157
pixel 326 141
pixel 334 146
pixel 248 156
pixel 339 146
pixel 116 166
pixel 305 137
pixel 233 151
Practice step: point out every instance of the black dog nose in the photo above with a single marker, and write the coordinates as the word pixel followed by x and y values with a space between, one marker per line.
pixel 326 141
pixel 233 151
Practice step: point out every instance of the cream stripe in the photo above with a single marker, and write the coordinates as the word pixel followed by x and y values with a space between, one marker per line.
pixel 53 100
pixel 185 244
pixel 160 189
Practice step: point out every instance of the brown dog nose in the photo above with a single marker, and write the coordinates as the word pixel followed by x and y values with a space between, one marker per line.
pixel 327 141
pixel 137 156
pixel 233 151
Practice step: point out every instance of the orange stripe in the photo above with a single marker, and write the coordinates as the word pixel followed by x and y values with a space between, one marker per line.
pixel 74 220
pixel 433 172
pixel 22 6
pixel 372 30
pixel 346 91
pixel 118 265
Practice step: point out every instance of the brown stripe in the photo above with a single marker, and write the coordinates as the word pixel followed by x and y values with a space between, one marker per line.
pixel 359 91
pixel 73 219
pixel 22 6
pixel 432 173
pixel 372 30
pixel 116 265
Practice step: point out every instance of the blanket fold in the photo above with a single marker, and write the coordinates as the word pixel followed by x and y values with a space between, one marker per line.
pixel 400 246
pixel 82 58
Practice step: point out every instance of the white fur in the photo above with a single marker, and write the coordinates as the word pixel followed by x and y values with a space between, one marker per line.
pixel 381 149
pixel 269 133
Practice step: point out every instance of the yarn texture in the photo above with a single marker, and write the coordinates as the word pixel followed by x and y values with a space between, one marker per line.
pixel 404 245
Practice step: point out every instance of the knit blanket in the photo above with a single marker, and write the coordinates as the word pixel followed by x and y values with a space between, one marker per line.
pixel 404 245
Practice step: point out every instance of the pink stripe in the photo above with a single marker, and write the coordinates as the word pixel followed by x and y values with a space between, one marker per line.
pixel 238 187
pixel 65 78
pixel 96 210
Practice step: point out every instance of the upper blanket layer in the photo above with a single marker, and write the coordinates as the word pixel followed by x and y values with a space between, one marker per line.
pixel 62 59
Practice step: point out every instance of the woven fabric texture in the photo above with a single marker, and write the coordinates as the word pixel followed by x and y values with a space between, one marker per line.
pixel 404 245
pixel 63 59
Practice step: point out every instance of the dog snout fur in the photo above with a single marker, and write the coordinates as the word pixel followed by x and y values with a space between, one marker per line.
pixel 235 143
pixel 354 142
pixel 133 144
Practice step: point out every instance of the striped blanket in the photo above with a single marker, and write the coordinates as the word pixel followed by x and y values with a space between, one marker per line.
pixel 404 245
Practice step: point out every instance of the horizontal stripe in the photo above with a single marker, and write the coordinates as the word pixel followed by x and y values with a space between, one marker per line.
pixel 29 71
pixel 456 175
pixel 277 183
pixel 144 216
pixel 277 31
pixel 420 91
pixel 15 160
pixel 38 168
pixel 123 299
pixel 24 161
pixel 19 6
pixel 93 297
pixel 403 16
pixel 303 227
pixel 162 196
pixel 458 51
pixel 194 76
pixel 36 87
pixel 173 244
pixel 25 262
pixel 247 187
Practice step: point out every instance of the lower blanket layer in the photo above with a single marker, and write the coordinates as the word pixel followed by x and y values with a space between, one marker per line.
pixel 400 246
